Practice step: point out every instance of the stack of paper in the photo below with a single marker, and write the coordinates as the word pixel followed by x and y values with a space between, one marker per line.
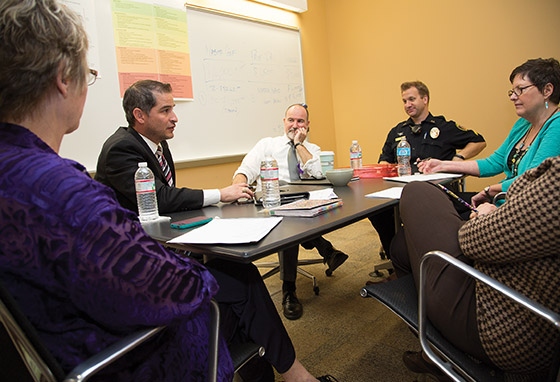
pixel 229 231
pixel 306 208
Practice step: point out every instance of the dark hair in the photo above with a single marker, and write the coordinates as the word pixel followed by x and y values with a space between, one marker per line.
pixel 141 95
pixel 37 38
pixel 422 88
pixel 298 104
pixel 541 71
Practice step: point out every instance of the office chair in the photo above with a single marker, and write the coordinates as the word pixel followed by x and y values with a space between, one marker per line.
pixel 24 358
pixel 241 353
pixel 275 265
pixel 401 298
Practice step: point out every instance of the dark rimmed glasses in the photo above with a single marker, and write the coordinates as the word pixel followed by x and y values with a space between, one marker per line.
pixel 92 76
pixel 518 90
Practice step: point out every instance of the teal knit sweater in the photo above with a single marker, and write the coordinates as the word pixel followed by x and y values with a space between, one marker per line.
pixel 546 144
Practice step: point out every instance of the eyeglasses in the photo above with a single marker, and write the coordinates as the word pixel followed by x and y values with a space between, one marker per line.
pixel 92 76
pixel 518 90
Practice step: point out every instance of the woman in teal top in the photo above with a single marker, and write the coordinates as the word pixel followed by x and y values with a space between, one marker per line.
pixel 533 138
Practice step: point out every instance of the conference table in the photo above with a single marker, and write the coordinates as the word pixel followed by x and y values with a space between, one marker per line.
pixel 290 231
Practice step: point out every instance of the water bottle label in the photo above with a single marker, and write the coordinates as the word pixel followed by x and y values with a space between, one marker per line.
pixel 143 186
pixel 403 151
pixel 269 174
pixel 357 155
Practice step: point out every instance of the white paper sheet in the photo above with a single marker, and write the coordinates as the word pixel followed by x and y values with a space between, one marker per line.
pixel 229 231
pixel 422 177
pixel 325 193
pixel 389 193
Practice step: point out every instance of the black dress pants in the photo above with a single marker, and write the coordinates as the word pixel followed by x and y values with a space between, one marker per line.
pixel 248 313
pixel 431 222
pixel 288 258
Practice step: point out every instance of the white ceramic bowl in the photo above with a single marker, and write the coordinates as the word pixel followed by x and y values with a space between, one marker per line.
pixel 339 176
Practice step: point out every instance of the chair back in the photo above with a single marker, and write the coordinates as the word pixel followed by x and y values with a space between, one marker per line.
pixel 401 297
pixel 22 354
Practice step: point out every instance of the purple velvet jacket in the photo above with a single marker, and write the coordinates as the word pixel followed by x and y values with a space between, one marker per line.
pixel 86 274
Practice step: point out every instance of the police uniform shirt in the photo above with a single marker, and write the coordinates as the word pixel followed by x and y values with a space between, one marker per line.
pixel 436 138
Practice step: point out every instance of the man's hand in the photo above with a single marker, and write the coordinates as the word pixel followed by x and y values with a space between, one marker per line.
pixel 234 192
pixel 300 135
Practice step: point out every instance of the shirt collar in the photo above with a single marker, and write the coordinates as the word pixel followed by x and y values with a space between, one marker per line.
pixel 153 146
pixel 410 122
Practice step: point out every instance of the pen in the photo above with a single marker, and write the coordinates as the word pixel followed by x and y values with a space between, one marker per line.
pixel 446 190
pixel 418 160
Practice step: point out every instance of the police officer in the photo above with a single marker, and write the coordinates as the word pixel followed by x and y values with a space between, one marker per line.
pixel 429 137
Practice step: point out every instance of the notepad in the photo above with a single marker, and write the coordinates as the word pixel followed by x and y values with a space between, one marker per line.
pixel 306 208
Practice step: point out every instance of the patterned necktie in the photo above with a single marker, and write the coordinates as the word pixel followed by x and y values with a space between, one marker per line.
pixel 164 166
pixel 293 163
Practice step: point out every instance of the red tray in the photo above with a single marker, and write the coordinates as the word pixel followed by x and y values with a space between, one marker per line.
pixel 376 171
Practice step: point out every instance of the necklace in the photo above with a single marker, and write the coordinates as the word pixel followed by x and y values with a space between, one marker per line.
pixel 522 150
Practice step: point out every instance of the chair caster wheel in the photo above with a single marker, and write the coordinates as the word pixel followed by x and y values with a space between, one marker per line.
pixel 316 290
pixel 328 272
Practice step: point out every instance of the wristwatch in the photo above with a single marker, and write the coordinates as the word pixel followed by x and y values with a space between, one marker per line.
pixel 487 192
pixel 297 144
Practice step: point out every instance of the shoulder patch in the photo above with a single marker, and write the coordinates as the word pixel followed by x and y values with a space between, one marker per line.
pixel 461 127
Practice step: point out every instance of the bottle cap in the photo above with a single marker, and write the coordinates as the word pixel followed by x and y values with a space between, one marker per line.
pixel 142 164
pixel 354 142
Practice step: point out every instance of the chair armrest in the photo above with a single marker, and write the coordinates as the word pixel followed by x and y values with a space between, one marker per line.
pixel 499 196
pixel 97 362
pixel 446 367
pixel 213 341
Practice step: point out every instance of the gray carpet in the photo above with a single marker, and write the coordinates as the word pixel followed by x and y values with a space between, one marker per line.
pixel 353 338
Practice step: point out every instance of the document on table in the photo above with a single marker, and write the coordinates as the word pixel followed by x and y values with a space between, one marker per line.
pixel 422 177
pixel 229 231
pixel 389 193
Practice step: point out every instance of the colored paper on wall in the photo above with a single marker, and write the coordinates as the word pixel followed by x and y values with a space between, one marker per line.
pixel 151 42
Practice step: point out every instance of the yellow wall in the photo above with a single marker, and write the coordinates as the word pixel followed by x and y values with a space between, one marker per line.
pixel 356 53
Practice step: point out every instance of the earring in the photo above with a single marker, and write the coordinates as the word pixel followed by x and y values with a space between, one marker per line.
pixel 546 104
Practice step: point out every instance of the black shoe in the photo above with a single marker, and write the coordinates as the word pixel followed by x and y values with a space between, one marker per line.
pixel 335 259
pixel 327 378
pixel 291 307
pixel 415 362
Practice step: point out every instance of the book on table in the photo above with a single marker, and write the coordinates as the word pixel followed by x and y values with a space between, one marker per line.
pixel 306 208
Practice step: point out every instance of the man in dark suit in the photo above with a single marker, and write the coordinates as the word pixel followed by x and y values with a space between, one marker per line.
pixel 149 111
pixel 151 120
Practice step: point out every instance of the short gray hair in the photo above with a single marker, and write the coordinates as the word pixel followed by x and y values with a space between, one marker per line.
pixel 37 38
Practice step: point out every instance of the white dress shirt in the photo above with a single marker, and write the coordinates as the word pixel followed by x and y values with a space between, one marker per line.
pixel 279 147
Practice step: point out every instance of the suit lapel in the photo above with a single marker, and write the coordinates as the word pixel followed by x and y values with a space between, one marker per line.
pixel 153 163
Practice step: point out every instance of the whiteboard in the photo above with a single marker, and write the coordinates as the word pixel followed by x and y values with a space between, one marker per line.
pixel 245 73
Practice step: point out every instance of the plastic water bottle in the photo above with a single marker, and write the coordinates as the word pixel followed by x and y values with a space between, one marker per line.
pixel 403 157
pixel 355 155
pixel 269 182
pixel 146 193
